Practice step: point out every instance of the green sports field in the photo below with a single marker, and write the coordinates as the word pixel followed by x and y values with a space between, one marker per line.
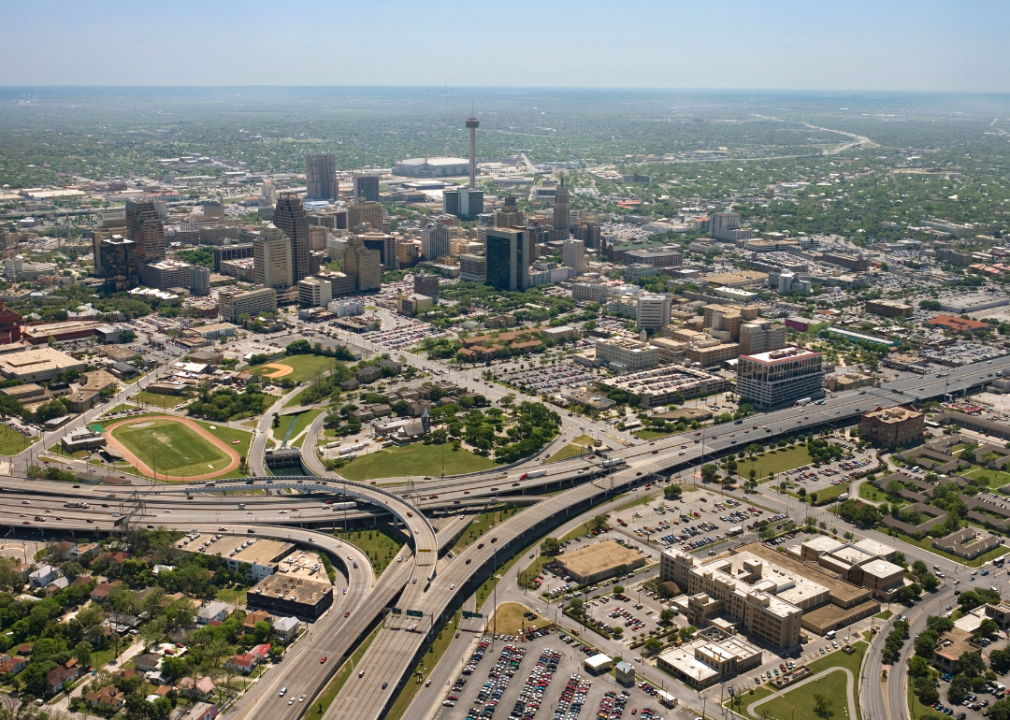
pixel 305 367
pixel 171 448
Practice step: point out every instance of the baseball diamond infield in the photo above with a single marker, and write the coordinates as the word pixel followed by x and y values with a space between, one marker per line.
pixel 179 448
pixel 279 370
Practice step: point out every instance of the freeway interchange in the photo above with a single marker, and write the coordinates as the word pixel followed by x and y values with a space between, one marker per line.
pixel 414 584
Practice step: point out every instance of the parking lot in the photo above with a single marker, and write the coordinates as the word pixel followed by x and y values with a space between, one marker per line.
pixel 815 478
pixel 407 334
pixel 542 676
pixel 550 379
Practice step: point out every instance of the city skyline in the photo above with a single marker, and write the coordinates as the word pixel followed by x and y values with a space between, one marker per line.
pixel 783 45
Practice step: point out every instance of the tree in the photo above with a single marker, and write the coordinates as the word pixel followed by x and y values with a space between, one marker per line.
pixel 666 615
pixel 925 643
pixel 767 532
pixel 173 667
pixel 1000 710
pixel 82 652
pixel 971 664
pixel 987 627
pixel 822 706
pixel 598 522
pixel 709 472
pixel 652 645
pixel 999 661
pixel 673 492
pixel 550 546
pixel 959 688
pixel 575 607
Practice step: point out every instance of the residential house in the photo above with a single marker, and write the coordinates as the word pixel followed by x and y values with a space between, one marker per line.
pixel 213 611
pixel 60 677
pixel 147 662
pixel 254 616
pixel 102 590
pixel 286 629
pixel 83 553
pixel 194 689
pixel 200 711
pixel 56 585
pixel 242 663
pixel 108 695
pixel 12 666
pixel 42 576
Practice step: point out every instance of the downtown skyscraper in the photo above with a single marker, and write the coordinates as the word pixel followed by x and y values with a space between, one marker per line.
pixel 289 216
pixel 321 177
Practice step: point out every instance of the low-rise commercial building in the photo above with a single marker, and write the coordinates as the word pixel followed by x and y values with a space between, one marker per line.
pixel 600 561
pixel 625 355
pixel 893 427
pixel 889 308
pixel 233 305
pixel 37 364
pixel 712 656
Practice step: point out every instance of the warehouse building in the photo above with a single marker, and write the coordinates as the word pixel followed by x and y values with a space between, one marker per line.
pixel 599 561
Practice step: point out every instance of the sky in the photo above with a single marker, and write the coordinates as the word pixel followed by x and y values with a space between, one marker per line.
pixel 847 45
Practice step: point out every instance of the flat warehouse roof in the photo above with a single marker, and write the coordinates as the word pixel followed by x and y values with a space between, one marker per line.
pixel 599 558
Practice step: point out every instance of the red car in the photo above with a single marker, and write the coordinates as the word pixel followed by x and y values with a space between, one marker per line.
pixel 322 659
pixel 347 614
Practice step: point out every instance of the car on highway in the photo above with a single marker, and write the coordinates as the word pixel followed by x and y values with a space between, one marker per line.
pixel 347 614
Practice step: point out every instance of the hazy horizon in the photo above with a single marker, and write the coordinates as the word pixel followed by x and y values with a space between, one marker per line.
pixel 780 45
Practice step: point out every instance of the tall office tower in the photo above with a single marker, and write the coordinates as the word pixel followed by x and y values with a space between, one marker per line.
pixel 268 192
pixel 272 258
pixel 756 337
pixel 653 311
pixel 464 203
pixel 562 213
pixel 366 188
pixel 289 216
pixel 199 280
pixel 317 237
pixel 213 210
pixel 120 263
pixel 321 177
pixel 385 244
pixel 508 265
pixel 777 378
pixel 509 215
pixel 574 255
pixel 365 212
pixel 435 241
pixel 363 264
pixel 144 227
pixel 425 284
pixel 588 231
pixel 472 124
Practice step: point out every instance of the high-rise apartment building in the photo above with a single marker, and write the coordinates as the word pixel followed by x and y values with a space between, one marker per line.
pixel 321 177
pixel 363 264
pixel 289 216
pixel 144 227
pixel 366 188
pixel 425 284
pixel 725 226
pixel 365 212
pixel 757 337
pixel 574 255
pixel 272 258
pixel 508 264
pixel 435 241
pixel 779 378
pixel 654 311
pixel 199 280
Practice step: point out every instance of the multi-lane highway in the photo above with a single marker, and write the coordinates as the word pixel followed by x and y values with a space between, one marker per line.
pixel 396 647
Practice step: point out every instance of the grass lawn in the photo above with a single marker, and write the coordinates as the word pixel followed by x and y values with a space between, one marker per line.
pixel 417 459
pixel 158 399
pixel 425 667
pixel 868 492
pixel 325 699
pixel 481 523
pixel 840 659
pixel 583 440
pixel 886 615
pixel 231 595
pixel 638 502
pixel 508 618
pixel 301 424
pixel 830 493
pixel 527 576
pixel 171 448
pixel 569 451
pixel 800 702
pixel 652 434
pixel 995 478
pixel 751 696
pixel 380 545
pixel 776 461
pixel 305 367
pixel 926 544
pixel 122 407
pixel 13 442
